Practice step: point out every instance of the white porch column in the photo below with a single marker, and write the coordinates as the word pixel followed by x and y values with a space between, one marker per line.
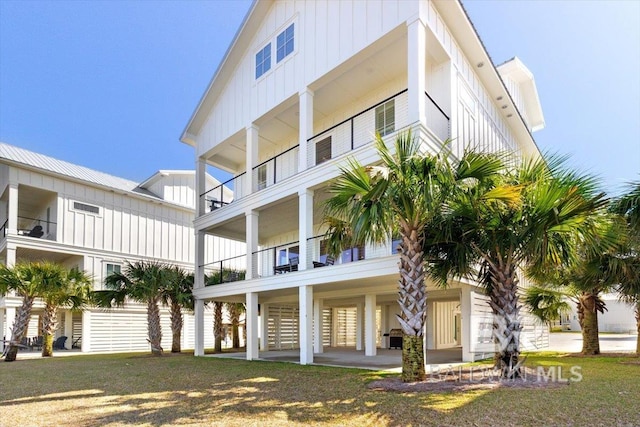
pixel 252 326
pixel 252 156
pixel 370 325
pixel 465 320
pixel 359 325
pixel 11 255
pixel 199 264
pixel 12 224
pixel 306 321
pixel 201 187
pixel 68 328
pixel 417 71
pixel 317 326
pixel 305 212
pixel 8 326
pixel 86 331
pixel 251 219
pixel 198 327
pixel 264 327
pixel 453 117
pixel 306 127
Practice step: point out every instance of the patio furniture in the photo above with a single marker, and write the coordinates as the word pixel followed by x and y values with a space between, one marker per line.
pixel 58 344
pixel 395 339
pixel 329 261
pixel 76 341
pixel 294 261
pixel 37 342
pixel 36 232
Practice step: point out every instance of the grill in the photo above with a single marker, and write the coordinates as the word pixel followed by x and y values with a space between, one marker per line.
pixel 395 338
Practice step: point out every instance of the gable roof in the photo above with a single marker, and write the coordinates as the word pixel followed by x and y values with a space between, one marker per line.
pixel 226 68
pixel 42 162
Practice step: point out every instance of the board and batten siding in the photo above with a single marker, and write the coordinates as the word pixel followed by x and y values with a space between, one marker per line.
pixel 327 33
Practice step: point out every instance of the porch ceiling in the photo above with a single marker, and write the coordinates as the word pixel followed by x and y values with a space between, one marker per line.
pixel 28 254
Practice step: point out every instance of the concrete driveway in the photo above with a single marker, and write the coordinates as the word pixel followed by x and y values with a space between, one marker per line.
pixel 609 343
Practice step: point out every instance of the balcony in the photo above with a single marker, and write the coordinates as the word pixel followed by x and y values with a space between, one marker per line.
pixel 386 117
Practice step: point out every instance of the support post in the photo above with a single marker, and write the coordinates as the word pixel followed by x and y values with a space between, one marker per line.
pixel 305 213
pixel 86 331
pixel 306 127
pixel 318 346
pixel 264 327
pixel 68 328
pixel 359 325
pixel 251 219
pixel 417 71
pixel 306 320
pixel 252 156
pixel 198 320
pixel 370 325
pixel 12 220
pixel 252 326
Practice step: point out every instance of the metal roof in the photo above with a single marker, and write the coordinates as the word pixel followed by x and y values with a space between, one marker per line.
pixel 46 163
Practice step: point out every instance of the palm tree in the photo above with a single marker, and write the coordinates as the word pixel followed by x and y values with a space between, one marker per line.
pixel 399 197
pixel 60 287
pixel 218 326
pixel 628 205
pixel 177 294
pixel 142 281
pixel 538 230
pixel 23 280
pixel 235 311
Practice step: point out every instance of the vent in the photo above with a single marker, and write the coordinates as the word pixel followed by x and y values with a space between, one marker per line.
pixel 86 208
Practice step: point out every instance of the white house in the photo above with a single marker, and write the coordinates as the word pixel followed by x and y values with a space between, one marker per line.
pixel 54 210
pixel 304 86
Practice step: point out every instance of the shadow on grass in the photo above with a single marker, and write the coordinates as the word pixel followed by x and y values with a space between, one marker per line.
pixel 130 390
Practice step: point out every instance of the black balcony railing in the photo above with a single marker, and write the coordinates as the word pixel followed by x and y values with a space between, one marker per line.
pixel 437 120
pixel 3 229
pixel 276 168
pixel 36 227
pixel 226 270
pixel 216 198
pixel 279 259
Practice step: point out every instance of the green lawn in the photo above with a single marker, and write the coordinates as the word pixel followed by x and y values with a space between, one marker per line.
pixel 128 389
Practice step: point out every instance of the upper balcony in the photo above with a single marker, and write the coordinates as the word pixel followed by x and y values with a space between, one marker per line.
pixel 36 213
pixel 387 117
pixel 338 113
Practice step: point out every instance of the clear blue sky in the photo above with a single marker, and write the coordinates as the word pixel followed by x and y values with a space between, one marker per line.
pixel 111 85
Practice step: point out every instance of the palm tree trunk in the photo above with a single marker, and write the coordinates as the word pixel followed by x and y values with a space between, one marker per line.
pixel 638 328
pixel 49 325
pixel 234 313
pixel 176 327
pixel 590 336
pixel 155 330
pixel 503 299
pixel 218 330
pixel 413 304
pixel 20 325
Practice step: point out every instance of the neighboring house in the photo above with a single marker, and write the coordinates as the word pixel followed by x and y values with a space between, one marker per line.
pixel 57 211
pixel 303 87
pixel 618 317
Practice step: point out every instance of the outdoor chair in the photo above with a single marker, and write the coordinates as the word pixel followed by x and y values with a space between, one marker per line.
pixel 37 342
pixel 330 260
pixel 58 344
pixel 36 232
pixel 293 263
pixel 76 341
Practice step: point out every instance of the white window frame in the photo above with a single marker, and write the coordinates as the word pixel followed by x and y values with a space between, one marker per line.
pixel 285 39
pixel 265 49
pixel 388 124
pixel 72 207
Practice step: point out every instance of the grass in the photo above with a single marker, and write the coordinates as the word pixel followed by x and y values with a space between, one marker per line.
pixel 130 389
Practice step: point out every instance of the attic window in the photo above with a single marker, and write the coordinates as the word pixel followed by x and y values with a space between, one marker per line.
pixel 284 43
pixel 83 207
pixel 263 60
